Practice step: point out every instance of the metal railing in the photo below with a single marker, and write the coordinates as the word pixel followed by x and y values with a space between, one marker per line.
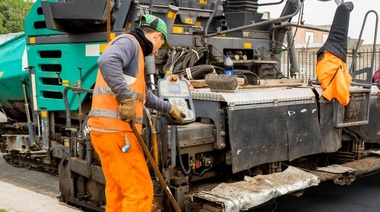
pixel 307 59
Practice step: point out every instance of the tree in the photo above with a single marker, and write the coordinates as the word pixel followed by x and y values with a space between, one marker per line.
pixel 13 14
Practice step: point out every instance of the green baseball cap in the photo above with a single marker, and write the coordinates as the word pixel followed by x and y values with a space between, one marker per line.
pixel 157 24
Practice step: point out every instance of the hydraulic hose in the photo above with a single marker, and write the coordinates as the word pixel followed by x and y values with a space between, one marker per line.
pixel 199 72
pixel 178 148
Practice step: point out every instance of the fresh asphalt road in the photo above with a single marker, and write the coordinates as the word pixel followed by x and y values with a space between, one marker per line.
pixel 40 190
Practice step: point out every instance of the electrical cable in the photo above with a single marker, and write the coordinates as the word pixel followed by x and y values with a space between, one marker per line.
pixel 203 171
pixel 244 72
pixel 178 148
pixel 283 76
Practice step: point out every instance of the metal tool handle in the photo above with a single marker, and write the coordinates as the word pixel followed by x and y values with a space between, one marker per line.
pixel 155 167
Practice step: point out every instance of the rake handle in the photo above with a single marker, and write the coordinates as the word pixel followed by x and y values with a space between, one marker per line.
pixel 155 167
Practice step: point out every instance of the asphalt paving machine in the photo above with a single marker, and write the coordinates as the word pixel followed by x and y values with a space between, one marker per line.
pixel 237 150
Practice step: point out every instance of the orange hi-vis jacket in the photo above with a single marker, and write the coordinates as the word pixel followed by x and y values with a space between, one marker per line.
pixel 104 114
pixel 333 76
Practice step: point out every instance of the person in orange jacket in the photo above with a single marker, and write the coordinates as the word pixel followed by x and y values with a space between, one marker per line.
pixel 331 62
pixel 119 96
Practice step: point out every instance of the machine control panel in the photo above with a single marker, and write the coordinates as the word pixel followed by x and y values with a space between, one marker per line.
pixel 176 90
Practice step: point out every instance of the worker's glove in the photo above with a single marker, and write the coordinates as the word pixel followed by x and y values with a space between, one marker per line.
pixel 176 113
pixel 127 110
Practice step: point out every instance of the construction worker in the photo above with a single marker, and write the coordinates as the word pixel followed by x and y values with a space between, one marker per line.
pixel 119 96
pixel 331 66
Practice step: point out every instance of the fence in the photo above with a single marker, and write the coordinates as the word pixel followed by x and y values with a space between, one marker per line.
pixel 307 59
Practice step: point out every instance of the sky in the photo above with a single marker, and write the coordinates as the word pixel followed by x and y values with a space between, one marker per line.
pixel 322 13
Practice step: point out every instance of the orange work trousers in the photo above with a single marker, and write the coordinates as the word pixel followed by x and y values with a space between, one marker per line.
pixel 129 186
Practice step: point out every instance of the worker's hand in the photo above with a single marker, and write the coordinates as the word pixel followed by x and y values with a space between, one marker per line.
pixel 127 110
pixel 176 113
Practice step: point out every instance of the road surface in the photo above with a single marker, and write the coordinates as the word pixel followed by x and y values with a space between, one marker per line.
pixel 23 190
